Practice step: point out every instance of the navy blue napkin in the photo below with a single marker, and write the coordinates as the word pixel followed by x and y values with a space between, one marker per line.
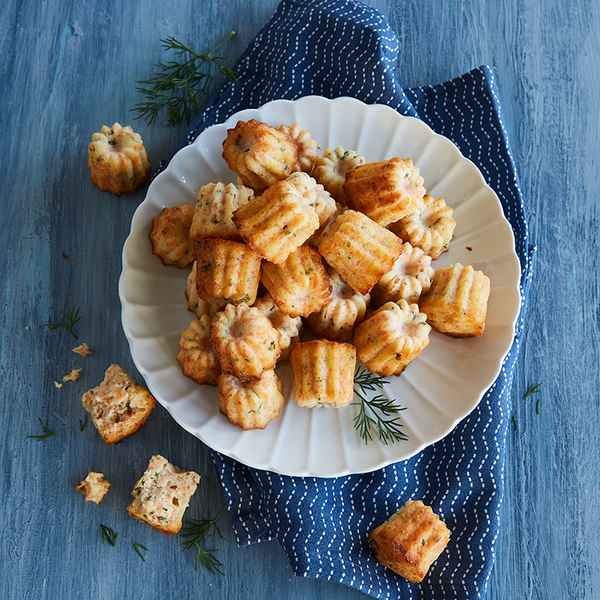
pixel 344 48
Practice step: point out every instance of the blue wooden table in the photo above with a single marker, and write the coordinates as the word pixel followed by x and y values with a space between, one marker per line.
pixel 68 68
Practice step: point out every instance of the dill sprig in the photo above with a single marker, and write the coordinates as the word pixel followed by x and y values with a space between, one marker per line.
pixel 534 389
pixel 137 547
pixel 47 432
pixel 373 411
pixel 181 86
pixel 198 530
pixel 108 535
pixel 83 423
pixel 71 316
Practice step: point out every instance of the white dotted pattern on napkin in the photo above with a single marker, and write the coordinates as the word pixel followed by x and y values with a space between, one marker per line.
pixel 344 48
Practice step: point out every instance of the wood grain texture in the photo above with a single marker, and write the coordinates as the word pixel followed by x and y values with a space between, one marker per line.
pixel 68 68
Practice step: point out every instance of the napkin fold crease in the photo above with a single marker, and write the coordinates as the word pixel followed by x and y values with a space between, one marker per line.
pixel 345 48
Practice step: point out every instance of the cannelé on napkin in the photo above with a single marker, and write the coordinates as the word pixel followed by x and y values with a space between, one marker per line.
pixel 410 540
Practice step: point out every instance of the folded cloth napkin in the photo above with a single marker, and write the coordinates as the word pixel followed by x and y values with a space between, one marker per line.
pixel 345 48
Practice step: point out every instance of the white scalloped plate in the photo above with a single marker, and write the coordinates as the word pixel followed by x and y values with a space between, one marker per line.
pixel 439 388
